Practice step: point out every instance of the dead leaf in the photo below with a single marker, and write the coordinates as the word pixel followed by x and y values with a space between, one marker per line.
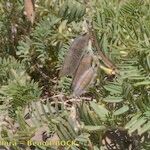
pixel 85 64
pixel 74 55
pixel 29 6
pixel 84 81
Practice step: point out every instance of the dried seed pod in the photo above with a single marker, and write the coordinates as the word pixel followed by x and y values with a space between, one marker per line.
pixel 84 81
pixel 29 6
pixel 74 55
pixel 84 65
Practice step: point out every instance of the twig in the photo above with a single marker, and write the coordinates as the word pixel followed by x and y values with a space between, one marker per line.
pixel 43 74
pixel 104 58
pixel 40 71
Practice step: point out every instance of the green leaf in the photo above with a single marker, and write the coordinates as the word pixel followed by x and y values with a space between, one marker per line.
pixel 122 110
pixel 94 128
pixel 148 60
pixel 100 110
pixel 137 124
pixel 116 89
pixel 145 128
pixel 132 121
pixel 147 82
pixel 111 99
pixel 84 137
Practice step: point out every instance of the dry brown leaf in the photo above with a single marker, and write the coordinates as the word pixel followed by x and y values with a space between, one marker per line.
pixel 84 81
pixel 84 65
pixel 74 55
pixel 29 10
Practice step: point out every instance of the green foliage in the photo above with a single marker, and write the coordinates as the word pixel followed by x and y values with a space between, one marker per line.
pixel 72 11
pixel 6 64
pixel 17 85
pixel 20 90
pixel 64 85
pixel 12 26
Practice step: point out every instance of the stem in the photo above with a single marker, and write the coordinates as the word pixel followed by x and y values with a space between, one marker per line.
pixel 104 58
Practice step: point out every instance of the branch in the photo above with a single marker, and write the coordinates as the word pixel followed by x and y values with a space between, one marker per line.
pixel 104 58
pixel 43 74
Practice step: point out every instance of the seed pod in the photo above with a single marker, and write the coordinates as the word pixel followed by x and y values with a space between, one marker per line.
pixel 74 55
pixel 29 6
pixel 84 81
pixel 84 65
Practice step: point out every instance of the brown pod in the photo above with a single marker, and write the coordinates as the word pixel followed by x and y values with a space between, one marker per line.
pixel 29 6
pixel 84 65
pixel 84 81
pixel 74 55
